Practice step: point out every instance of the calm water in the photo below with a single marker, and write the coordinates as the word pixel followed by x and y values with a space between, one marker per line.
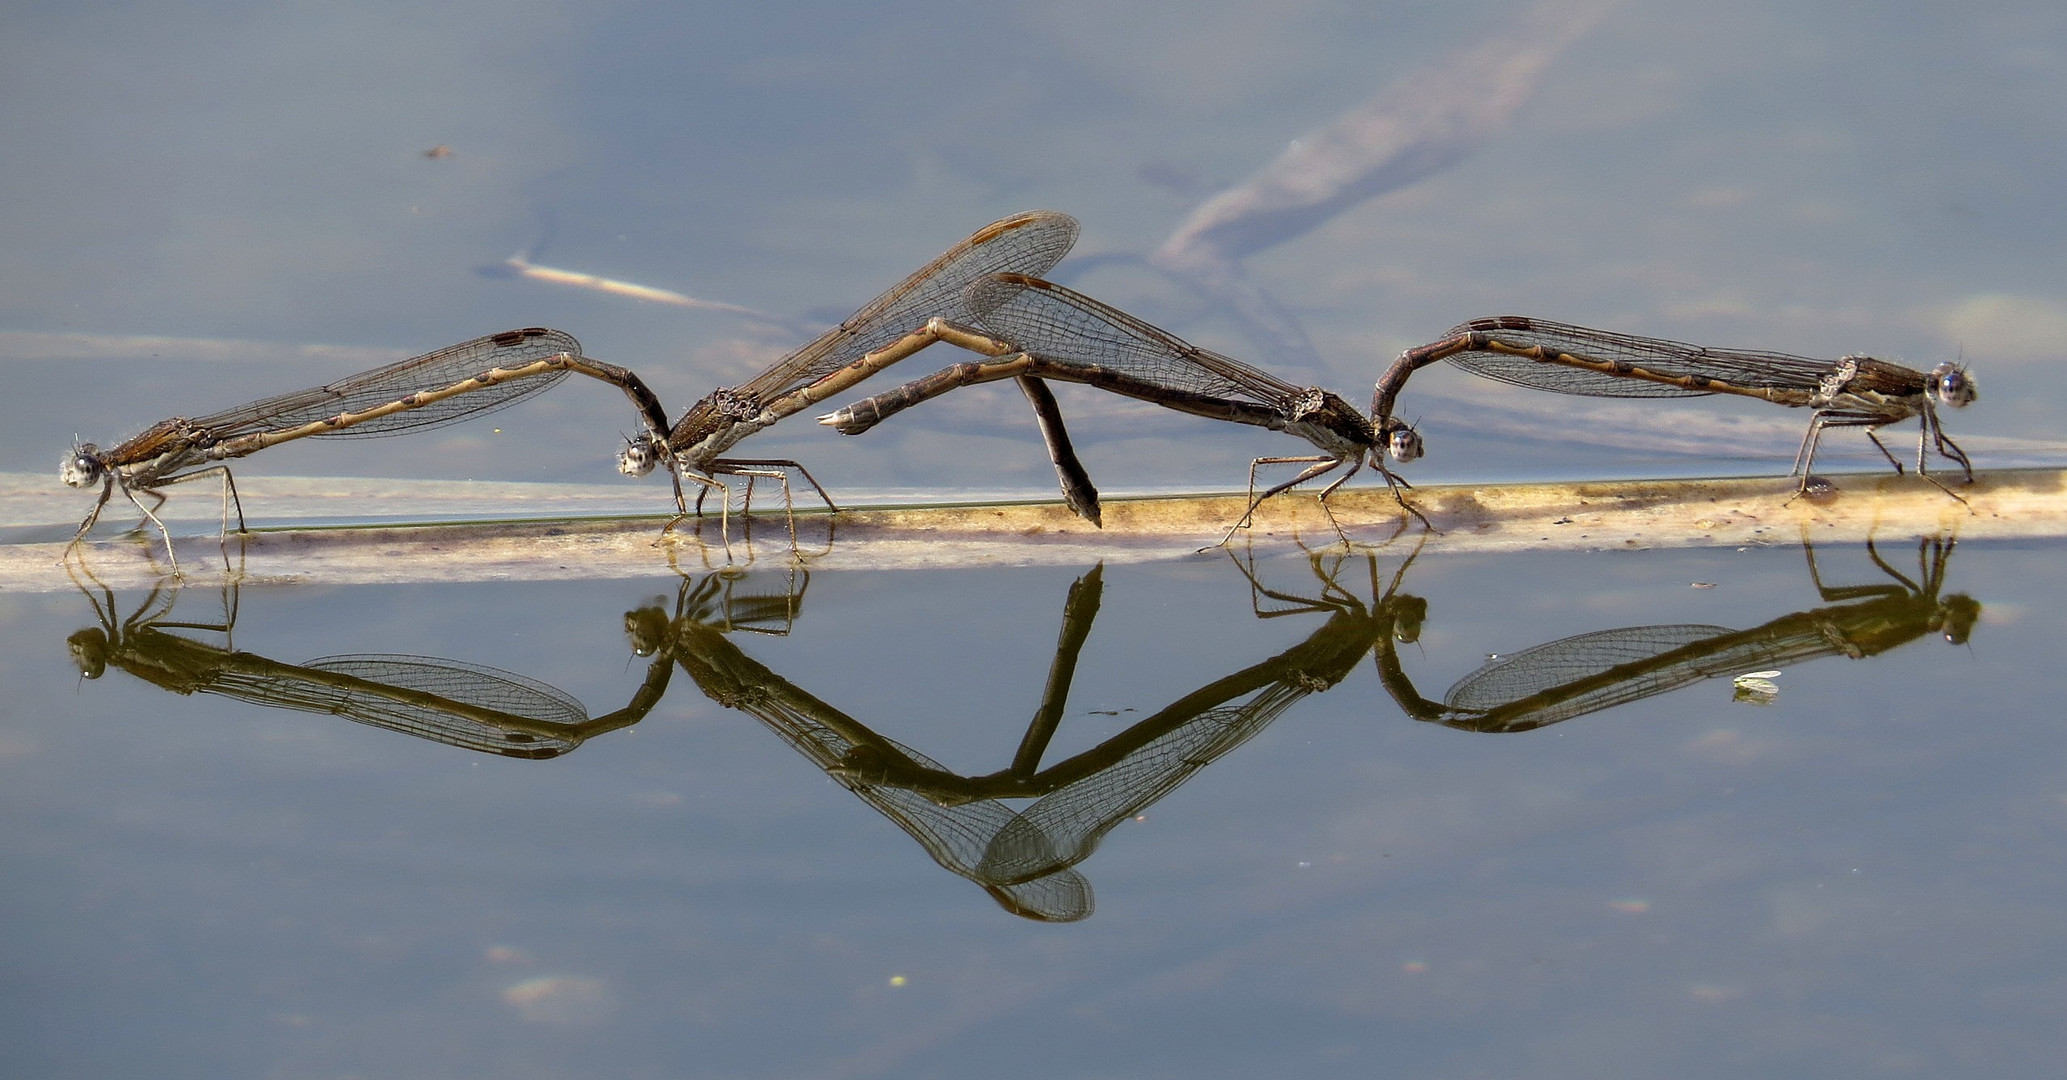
pixel 1858 877
pixel 208 204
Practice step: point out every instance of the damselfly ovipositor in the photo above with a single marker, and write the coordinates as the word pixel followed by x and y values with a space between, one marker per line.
pixel 452 384
pixel 1853 391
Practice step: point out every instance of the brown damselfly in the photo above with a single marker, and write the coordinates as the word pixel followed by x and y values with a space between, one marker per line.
pixel 1035 327
pixel 452 384
pixel 1853 391
pixel 886 330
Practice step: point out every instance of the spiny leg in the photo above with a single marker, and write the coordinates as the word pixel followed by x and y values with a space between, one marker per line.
pixel 1805 457
pixel 1874 434
pixel 780 476
pixel 1935 432
pixel 707 485
pixel 107 490
pixel 1806 454
pixel 1321 464
pixel 1394 483
pixel 163 532
pixel 230 499
pixel 1354 465
pixel 776 463
pixel 1929 424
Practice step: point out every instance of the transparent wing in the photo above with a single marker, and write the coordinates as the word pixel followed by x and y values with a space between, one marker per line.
pixel 1063 326
pixel 1029 243
pixel 448 701
pixel 1674 359
pixel 431 371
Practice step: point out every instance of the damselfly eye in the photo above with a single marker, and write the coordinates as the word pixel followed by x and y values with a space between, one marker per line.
pixel 1960 612
pixel 1409 615
pixel 638 458
pixel 646 628
pixel 81 468
pixel 1953 386
pixel 90 651
pixel 1405 444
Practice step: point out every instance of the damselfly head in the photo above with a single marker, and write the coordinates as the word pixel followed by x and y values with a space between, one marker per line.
pixel 1958 614
pixel 90 649
pixel 82 467
pixel 640 456
pixel 1404 443
pixel 1409 614
pixel 1952 385
pixel 646 628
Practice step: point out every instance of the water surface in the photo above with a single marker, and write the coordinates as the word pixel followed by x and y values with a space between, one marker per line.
pixel 208 204
pixel 1856 878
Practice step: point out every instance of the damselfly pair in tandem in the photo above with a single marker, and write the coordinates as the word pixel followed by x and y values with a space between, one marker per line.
pixel 1034 327
pixel 480 376
pixel 1852 391
pixel 443 387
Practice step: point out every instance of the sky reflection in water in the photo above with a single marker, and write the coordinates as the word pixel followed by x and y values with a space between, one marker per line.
pixel 1804 885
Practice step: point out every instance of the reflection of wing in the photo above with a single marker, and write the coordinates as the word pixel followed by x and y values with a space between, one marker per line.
pixel 1064 826
pixel 1034 879
pixel 1026 859
pixel 1508 679
pixel 472 706
pixel 1590 672
pixel 1586 673
pixel 955 836
pixel 466 705
pixel 1088 794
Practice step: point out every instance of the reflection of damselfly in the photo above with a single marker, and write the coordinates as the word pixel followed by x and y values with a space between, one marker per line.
pixel 1589 672
pixel 1035 327
pixel 886 330
pixel 957 836
pixel 443 387
pixel 1025 858
pixel 1854 391
pixel 454 702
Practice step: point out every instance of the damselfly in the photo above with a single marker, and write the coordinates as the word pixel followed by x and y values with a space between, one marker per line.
pixel 1036 327
pixel 880 334
pixel 443 387
pixel 1853 391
